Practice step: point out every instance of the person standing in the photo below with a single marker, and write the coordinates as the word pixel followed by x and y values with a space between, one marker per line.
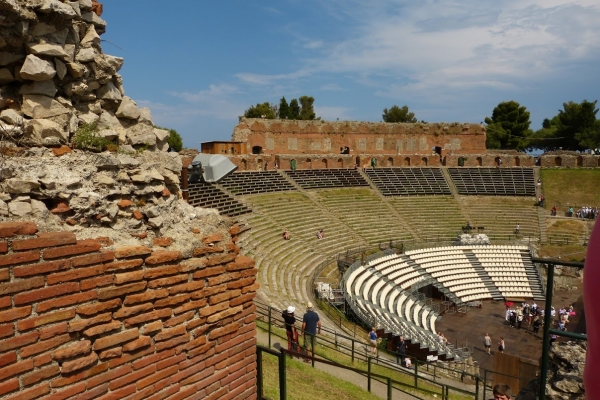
pixel 501 345
pixel 519 320
pixel 400 350
pixel 501 392
pixel 290 329
pixel 311 325
pixel 487 341
pixel 373 341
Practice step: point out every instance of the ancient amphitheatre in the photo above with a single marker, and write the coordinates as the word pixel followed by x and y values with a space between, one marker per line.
pixel 111 286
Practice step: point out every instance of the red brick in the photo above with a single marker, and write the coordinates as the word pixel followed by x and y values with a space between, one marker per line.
pixel 48 239
pixel 45 293
pixel 17 228
pixel 192 375
pixel 192 264
pixel 79 363
pixel 97 258
pixel 128 277
pixel 159 257
pixel 101 329
pixel 146 296
pixel 81 324
pixel 144 318
pixel 153 359
pixel 27 324
pixel 220 259
pixel 91 309
pixel 42 360
pixel 179 319
pixel 21 285
pixel 99 281
pixel 111 353
pixel 196 323
pixel 118 338
pixel 66 301
pixel 214 238
pixel 152 327
pixel 241 262
pixel 20 258
pixel 126 358
pixel 67 393
pixel 224 314
pixel 107 293
pixel 141 395
pixel 242 299
pixel 199 341
pixel 124 264
pixel 218 298
pixel 32 393
pixel 78 376
pixel 44 345
pixel 9 386
pixel 41 374
pixel 3 247
pixel 206 272
pixel 125 312
pixel 167 344
pixel 8 358
pixel 119 394
pixel 142 341
pixel 251 288
pixel 161 374
pixel 169 333
pixel 190 305
pixel 152 273
pixel 172 280
pixel 224 330
pixel 124 203
pixel 162 241
pixel 15 313
pixel 82 246
pixel 7 330
pixel 41 268
pixel 4 274
pixel 171 301
pixel 132 251
pixel 203 251
pixel 137 214
pixel 186 287
pixel 16 369
pixel 206 311
pixel 18 341
pixel 53 330
pixel 241 283
pixel 76 349
pixel 75 275
pixel 109 375
pixel 206 292
pixel 232 248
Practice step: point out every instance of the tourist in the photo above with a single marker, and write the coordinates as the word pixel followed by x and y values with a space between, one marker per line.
pixel 286 235
pixel 553 212
pixel 290 329
pixel 373 341
pixel 487 341
pixel 501 392
pixel 501 345
pixel 320 234
pixel 536 324
pixel 519 320
pixel 517 229
pixel 311 325
pixel 407 362
pixel 401 350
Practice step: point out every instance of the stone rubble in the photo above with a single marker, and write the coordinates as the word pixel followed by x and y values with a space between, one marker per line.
pixel 56 78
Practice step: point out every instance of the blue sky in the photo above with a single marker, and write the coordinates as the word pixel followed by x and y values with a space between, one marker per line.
pixel 199 64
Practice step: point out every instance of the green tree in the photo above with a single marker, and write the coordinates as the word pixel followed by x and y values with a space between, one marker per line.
pixel 397 114
pixel 174 139
pixel 508 128
pixel 284 109
pixel 264 110
pixel 294 109
pixel 307 111
pixel 578 125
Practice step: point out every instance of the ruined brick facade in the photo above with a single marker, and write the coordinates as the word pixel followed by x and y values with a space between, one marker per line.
pixel 569 159
pixel 81 321
pixel 378 138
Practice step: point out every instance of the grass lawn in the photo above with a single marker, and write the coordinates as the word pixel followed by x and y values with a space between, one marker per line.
pixel 576 187
pixel 565 252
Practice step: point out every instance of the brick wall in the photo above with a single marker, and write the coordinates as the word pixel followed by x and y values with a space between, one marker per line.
pixel 78 321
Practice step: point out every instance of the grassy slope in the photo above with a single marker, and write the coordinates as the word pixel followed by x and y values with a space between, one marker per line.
pixel 576 187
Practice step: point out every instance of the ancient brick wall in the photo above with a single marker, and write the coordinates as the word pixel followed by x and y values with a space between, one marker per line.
pixel 569 159
pixel 379 138
pixel 78 319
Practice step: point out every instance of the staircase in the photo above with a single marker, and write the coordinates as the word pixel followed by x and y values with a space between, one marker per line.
pixel 485 278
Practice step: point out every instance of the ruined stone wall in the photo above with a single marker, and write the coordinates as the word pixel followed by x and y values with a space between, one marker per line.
pixel 54 78
pixel 325 137
pixel 569 159
pixel 79 317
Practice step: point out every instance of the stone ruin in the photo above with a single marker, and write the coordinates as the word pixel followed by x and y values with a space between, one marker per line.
pixel 55 78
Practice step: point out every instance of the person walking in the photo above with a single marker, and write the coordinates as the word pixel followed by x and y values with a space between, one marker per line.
pixel 401 350
pixel 501 345
pixel 487 341
pixel 373 341
pixel 290 329
pixel 311 325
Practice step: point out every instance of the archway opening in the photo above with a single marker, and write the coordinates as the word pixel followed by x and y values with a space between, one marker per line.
pixel 517 161
pixel 324 162
pixel 558 161
pixel 580 161
pixel 407 161
pixel 424 161
pixel 256 149
pixel 340 163
pixel 309 163
pixel 390 162
pixel 480 161
pixel 461 161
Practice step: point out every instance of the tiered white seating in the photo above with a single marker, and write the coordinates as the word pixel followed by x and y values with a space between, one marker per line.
pixel 504 264
pixel 451 267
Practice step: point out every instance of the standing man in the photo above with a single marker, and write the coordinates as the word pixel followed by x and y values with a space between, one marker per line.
pixel 487 341
pixel 501 392
pixel 400 350
pixel 310 324
pixel 290 329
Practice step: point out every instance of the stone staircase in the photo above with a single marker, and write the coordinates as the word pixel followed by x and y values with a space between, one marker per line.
pixel 485 277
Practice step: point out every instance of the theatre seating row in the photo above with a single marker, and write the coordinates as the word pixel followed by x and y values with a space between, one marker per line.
pixel 494 181
pixel 208 195
pixel 409 181
pixel 243 183
pixel 327 178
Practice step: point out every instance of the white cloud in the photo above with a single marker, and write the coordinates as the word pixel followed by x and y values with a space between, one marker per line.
pixel 333 113
pixel 314 44
pixel 331 87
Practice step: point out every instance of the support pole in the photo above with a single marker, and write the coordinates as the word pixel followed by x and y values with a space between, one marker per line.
pixel 546 339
